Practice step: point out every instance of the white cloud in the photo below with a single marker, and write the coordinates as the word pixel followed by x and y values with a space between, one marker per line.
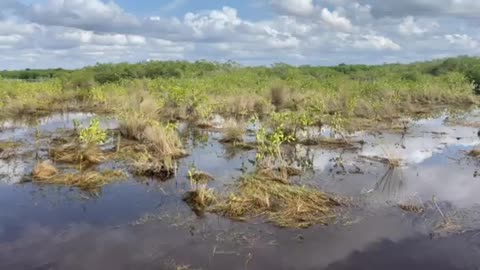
pixel 376 42
pixel 462 40
pixel 294 7
pixel 87 14
pixel 334 20
pixel 410 26
pixel 73 33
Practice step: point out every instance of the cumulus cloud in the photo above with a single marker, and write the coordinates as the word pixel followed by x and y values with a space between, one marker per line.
pixel 376 42
pixel 336 21
pixel 85 14
pixel 467 8
pixel 73 33
pixel 294 7
pixel 410 26
pixel 462 40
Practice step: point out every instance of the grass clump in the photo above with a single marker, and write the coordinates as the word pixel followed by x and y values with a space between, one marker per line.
pixel 233 131
pixel 147 165
pixel 279 96
pixel 90 180
pixel 77 153
pixel 7 149
pixel 474 153
pixel 164 141
pixel 283 204
pixel 44 171
pixel 199 198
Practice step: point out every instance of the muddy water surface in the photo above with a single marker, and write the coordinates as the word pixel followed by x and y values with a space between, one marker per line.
pixel 142 223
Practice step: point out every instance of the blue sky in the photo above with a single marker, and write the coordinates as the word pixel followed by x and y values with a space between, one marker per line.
pixel 75 33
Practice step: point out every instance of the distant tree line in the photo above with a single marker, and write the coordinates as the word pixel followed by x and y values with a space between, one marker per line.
pixel 107 73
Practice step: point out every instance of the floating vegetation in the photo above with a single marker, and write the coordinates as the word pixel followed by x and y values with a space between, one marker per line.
pixel 333 143
pixel 283 204
pixel 45 173
pixel 148 165
pixel 7 149
pixel 199 197
pixel 412 208
pixel 78 153
pixel 200 177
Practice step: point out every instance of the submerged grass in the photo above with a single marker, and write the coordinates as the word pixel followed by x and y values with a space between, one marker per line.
pixel 283 204
pixel 46 173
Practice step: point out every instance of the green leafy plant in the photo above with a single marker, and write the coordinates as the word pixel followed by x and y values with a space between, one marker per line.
pixel 269 143
pixel 93 134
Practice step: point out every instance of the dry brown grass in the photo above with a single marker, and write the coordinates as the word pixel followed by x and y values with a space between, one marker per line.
pixel 233 131
pixel 283 204
pixel 200 198
pixel 279 96
pixel 90 180
pixel 133 126
pixel 243 105
pixel 44 171
pixel 332 143
pixel 413 208
pixel 7 149
pixel 78 153
pixel 147 165
pixel 474 153
pixel 200 177
pixel 164 142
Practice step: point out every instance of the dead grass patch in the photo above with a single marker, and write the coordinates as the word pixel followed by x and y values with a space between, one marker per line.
pixel 44 170
pixel 474 153
pixel 200 198
pixel 283 204
pixel 333 143
pixel 279 96
pixel 200 177
pixel 148 165
pixel 8 149
pixel 78 153
pixel 233 131
pixel 90 180
pixel 412 208
pixel 164 142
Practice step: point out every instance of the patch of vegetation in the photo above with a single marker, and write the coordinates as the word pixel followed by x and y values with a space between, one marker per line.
pixel 283 204
pixel 46 173
pixel 233 131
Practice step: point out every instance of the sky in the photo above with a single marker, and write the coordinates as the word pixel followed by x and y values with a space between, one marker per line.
pixel 77 33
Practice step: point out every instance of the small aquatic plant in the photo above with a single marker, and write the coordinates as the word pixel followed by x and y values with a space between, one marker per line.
pixel 269 143
pixel 199 197
pixel 93 134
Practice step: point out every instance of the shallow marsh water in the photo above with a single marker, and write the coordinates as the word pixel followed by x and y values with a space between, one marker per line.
pixel 143 223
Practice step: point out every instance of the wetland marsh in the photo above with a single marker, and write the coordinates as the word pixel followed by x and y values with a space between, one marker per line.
pixel 215 172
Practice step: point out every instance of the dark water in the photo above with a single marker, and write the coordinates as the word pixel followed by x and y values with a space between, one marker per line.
pixel 143 223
